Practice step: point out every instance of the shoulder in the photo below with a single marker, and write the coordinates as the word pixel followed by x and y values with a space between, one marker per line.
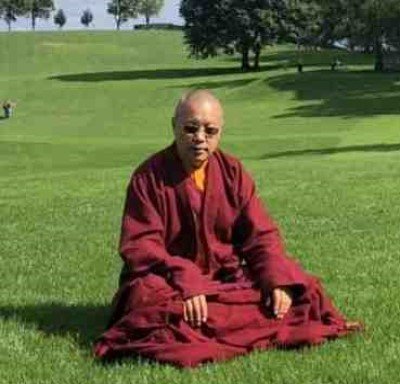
pixel 154 166
pixel 232 168
pixel 149 175
pixel 229 164
pixel 238 179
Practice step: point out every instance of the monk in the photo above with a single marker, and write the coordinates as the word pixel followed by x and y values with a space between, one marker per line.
pixel 206 275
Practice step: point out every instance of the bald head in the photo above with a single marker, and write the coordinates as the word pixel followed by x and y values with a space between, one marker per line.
pixel 197 96
pixel 197 124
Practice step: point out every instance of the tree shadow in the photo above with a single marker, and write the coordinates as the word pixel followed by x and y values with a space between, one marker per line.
pixel 155 74
pixel 347 93
pixel 290 57
pixel 217 84
pixel 83 322
pixel 331 151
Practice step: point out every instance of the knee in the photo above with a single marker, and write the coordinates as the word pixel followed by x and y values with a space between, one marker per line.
pixel 149 290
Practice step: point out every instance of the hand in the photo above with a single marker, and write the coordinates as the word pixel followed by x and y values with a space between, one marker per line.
pixel 195 310
pixel 281 301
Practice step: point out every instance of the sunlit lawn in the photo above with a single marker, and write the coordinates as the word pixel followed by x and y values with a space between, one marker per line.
pixel 324 148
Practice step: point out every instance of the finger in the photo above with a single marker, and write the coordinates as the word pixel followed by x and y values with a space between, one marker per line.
pixel 281 305
pixel 197 311
pixel 286 303
pixel 189 306
pixel 185 314
pixel 288 300
pixel 204 308
pixel 284 307
pixel 276 297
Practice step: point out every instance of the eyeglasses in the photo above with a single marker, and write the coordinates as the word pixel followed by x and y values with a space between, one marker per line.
pixel 195 129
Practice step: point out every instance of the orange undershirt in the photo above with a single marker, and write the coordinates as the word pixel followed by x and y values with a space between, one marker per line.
pixel 199 177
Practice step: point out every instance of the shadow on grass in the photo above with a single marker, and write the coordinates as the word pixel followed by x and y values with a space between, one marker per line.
pixel 217 84
pixel 330 151
pixel 157 74
pixel 322 58
pixel 154 74
pixel 84 323
pixel 347 94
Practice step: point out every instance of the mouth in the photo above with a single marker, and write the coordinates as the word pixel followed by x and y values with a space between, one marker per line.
pixel 198 149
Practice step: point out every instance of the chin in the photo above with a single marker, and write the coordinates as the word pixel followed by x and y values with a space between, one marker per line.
pixel 197 163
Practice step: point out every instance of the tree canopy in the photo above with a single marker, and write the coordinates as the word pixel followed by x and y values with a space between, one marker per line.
pixel 246 26
pixel 10 9
pixel 242 26
pixel 38 9
pixel 370 25
pixel 87 17
pixel 59 18
pixel 123 10
pixel 149 8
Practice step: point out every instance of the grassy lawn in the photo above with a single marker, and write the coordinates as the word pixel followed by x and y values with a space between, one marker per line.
pixel 324 148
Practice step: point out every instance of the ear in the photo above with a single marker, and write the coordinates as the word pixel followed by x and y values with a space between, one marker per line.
pixel 173 123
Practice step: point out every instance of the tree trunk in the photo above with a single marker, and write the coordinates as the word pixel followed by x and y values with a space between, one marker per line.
pixel 118 15
pixel 147 16
pixel 378 34
pixel 257 52
pixel 9 26
pixel 378 55
pixel 245 59
pixel 33 18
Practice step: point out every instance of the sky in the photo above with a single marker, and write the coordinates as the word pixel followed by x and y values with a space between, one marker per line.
pixel 101 19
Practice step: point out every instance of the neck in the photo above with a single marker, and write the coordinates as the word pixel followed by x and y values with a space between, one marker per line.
pixel 190 167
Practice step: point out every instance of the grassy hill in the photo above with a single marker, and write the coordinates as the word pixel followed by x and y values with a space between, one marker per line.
pixel 324 148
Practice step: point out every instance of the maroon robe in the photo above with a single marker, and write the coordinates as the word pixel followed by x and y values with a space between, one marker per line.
pixel 178 243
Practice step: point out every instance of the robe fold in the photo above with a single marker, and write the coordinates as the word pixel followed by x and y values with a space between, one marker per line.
pixel 178 242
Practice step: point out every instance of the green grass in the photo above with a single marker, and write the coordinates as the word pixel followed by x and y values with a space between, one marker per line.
pixel 324 148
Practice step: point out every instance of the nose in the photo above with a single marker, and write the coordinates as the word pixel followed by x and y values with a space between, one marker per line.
pixel 200 136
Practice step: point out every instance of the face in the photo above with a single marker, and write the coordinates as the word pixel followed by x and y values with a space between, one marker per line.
pixel 197 131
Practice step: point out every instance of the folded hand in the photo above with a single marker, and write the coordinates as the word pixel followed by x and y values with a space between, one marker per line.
pixel 281 301
pixel 195 310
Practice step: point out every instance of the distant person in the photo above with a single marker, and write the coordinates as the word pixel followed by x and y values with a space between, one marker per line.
pixel 336 64
pixel 300 65
pixel 8 107
pixel 206 276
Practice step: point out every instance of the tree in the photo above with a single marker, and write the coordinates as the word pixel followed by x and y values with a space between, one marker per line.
pixel 370 24
pixel 242 26
pixel 150 8
pixel 304 22
pixel 9 10
pixel 123 10
pixel 87 17
pixel 59 18
pixel 384 17
pixel 38 9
